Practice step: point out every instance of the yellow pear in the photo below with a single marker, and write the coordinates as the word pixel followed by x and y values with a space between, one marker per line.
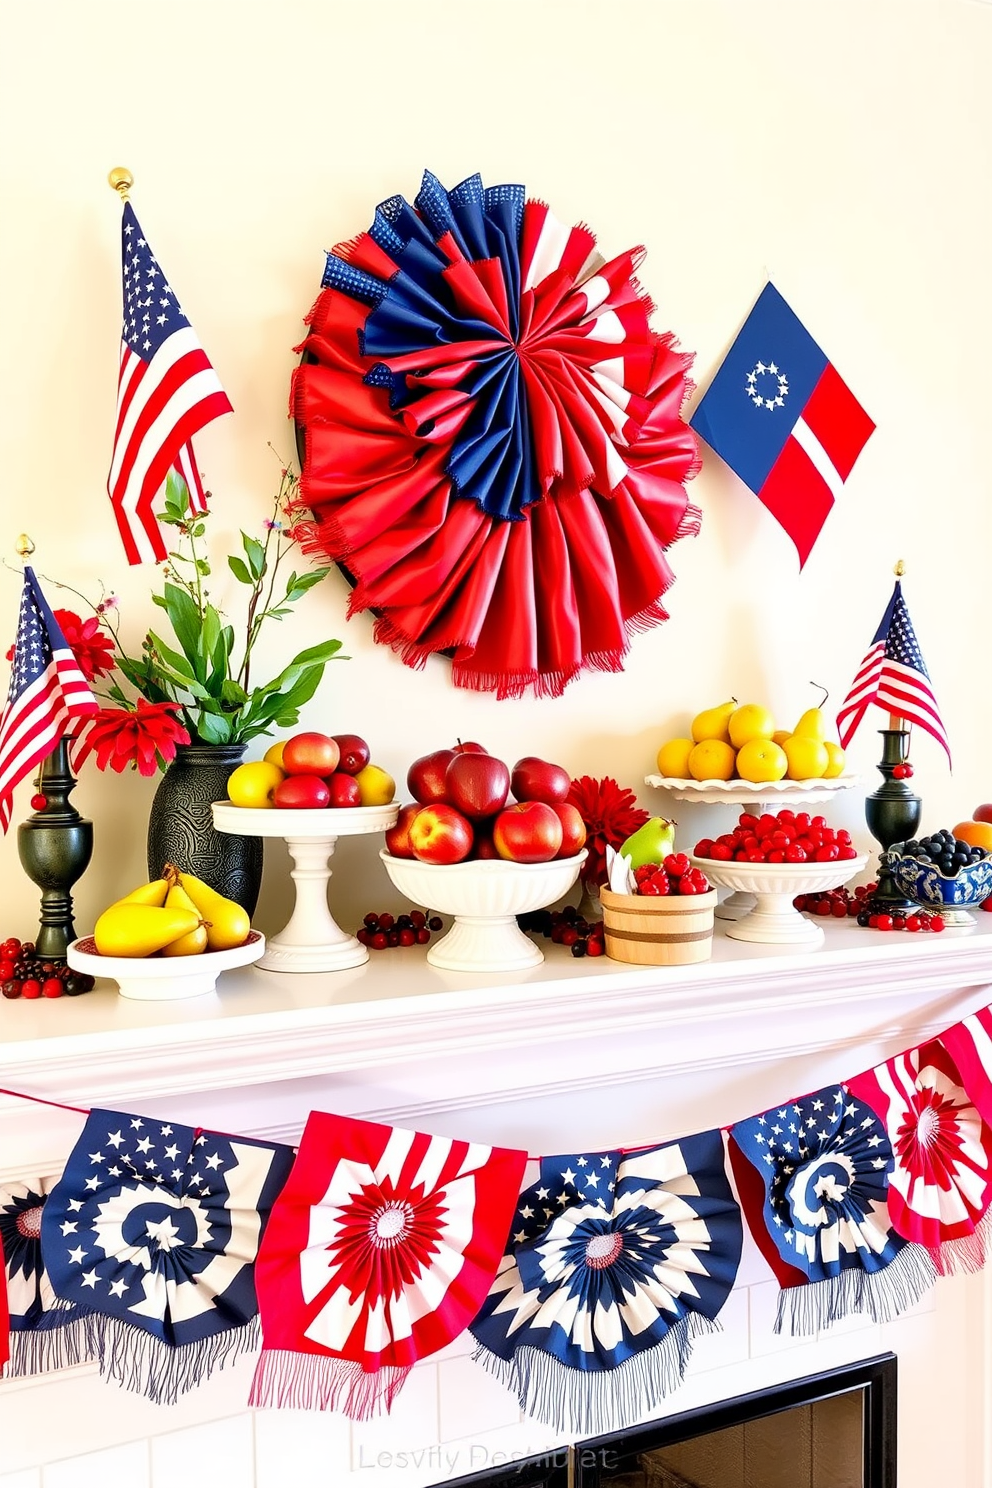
pixel 712 722
pixel 150 893
pixel 193 944
pixel 780 736
pixel 140 929
pixel 808 757
pixel 228 924
pixel 837 757
pixel 812 725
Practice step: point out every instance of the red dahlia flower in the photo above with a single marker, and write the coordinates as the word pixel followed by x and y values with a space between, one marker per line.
pixel 91 647
pixel 611 815
pixel 144 736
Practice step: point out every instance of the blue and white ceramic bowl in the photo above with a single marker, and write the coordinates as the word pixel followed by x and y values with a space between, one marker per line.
pixel 925 884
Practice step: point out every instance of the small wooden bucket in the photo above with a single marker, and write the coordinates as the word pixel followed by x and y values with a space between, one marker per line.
pixel 669 930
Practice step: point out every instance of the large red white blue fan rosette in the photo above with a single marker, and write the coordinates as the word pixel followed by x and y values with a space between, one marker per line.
pixel 940 1186
pixel 381 1249
pixel 493 441
pixel 617 1263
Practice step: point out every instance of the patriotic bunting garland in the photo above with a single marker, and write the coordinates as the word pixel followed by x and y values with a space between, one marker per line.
pixel 618 1261
pixel 584 1279
pixel 154 1228
pixel 493 441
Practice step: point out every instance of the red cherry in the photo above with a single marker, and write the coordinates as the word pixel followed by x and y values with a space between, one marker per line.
pixel 914 923
pixel 31 988
pixel 883 922
pixel 38 801
pixel 423 935
pixel 52 987
pixel 595 946
pixel 936 923
pixel 379 941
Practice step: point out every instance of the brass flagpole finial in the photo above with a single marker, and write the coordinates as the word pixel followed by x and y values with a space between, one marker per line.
pixel 122 180
pixel 899 569
pixel 24 547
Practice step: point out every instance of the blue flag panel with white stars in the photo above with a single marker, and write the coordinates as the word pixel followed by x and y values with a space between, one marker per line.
pixel 45 1333
pixel 617 1261
pixel 155 1227
pixel 813 1182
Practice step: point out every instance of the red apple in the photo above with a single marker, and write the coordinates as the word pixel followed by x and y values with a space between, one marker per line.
pixel 573 828
pixel 425 777
pixel 301 793
pixel 310 754
pixel 983 812
pixel 398 837
pixel 469 748
pixel 440 834
pixel 344 789
pixel 529 832
pixel 535 779
pixel 476 784
pixel 354 753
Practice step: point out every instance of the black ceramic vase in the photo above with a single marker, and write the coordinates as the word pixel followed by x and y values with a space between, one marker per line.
pixel 55 845
pixel 181 825
pixel 893 815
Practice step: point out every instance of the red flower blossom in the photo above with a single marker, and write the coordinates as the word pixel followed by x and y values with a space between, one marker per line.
pixel 91 647
pixel 611 815
pixel 143 736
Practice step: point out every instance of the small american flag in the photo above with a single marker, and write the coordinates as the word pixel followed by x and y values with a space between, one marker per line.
pixel 893 675
pixel 167 390
pixel 47 689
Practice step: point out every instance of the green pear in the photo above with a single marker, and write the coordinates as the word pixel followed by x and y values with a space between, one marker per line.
pixel 712 722
pixel 651 843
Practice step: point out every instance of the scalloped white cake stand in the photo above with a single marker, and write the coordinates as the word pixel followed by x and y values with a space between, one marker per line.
pixel 312 940
pixel 769 795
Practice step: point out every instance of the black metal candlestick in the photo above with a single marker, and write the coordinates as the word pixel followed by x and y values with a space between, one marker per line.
pixel 893 815
pixel 55 845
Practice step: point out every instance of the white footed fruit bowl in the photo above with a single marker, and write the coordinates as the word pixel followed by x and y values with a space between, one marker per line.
pixel 163 978
pixel 774 920
pixel 485 896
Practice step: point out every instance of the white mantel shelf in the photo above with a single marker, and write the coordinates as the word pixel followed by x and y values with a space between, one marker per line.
pixel 748 1003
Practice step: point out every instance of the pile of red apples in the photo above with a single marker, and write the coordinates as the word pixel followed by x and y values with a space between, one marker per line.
pixel 470 805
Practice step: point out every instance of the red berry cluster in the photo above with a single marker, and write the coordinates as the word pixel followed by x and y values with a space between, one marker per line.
pixel 380 931
pixel 566 927
pixel 788 837
pixel 842 903
pixel 24 974
pixel 675 875
pixel 902 772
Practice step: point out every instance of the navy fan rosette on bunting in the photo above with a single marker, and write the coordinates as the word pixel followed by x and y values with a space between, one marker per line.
pixel 813 1181
pixel 45 1332
pixel 493 440
pixel 154 1227
pixel 617 1262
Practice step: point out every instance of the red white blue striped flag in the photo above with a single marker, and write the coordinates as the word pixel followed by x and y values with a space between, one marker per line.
pixel 893 675
pixel 47 689
pixel 167 390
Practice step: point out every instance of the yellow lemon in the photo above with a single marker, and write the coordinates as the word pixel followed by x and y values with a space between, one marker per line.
pixel 274 753
pixel 252 784
pixel 761 759
pixel 711 759
pixel 808 757
pixel 375 786
pixel 750 721
pixel 673 758
pixel 836 757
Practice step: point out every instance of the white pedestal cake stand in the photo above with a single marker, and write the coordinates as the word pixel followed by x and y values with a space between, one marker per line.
pixel 312 940
pixel 770 795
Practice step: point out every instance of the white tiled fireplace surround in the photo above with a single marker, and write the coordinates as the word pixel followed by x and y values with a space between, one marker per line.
pixel 575 1055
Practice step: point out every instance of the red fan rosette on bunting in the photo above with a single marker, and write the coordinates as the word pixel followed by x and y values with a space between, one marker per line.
pixel 492 438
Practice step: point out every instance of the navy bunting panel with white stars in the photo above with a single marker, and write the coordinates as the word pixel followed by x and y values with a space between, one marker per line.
pixel 158 1225
pixel 813 1182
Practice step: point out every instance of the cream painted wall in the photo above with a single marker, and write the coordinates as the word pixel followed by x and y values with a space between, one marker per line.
pixel 842 148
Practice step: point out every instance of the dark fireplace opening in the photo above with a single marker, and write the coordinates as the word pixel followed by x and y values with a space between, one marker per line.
pixel 830 1430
